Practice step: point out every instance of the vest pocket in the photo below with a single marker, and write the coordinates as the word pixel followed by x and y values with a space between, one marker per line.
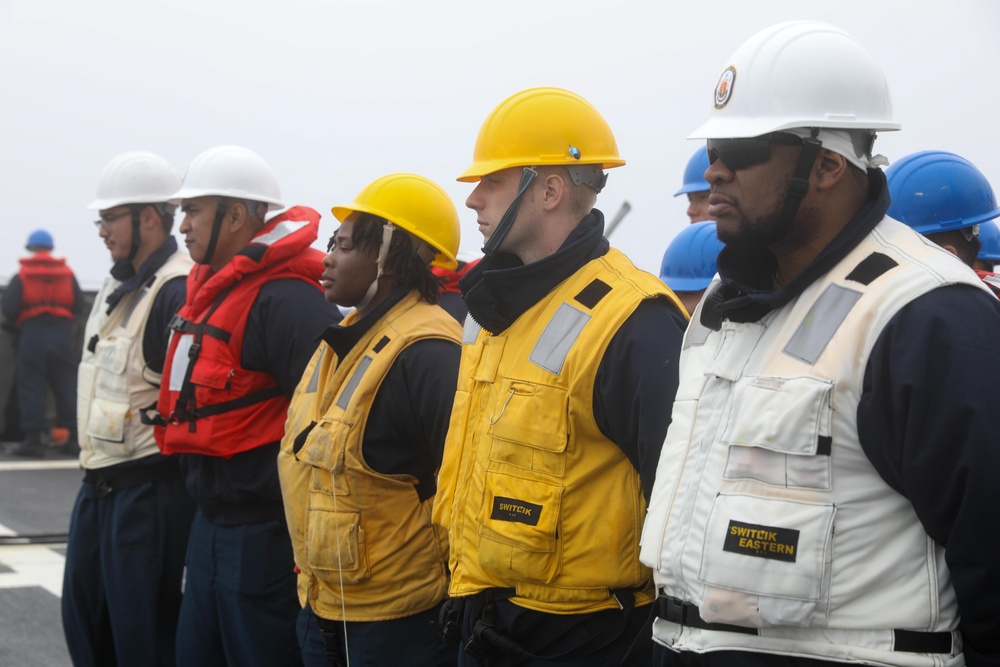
pixel 778 432
pixel 529 426
pixel 777 551
pixel 324 447
pixel 519 528
pixel 106 426
pixel 336 546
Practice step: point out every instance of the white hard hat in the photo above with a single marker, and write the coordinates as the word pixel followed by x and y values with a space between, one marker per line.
pixel 230 171
pixel 798 74
pixel 136 177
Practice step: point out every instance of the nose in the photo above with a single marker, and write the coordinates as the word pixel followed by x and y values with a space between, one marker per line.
pixel 328 261
pixel 103 232
pixel 475 200
pixel 718 171
pixel 185 225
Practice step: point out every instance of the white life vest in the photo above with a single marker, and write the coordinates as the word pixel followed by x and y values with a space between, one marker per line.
pixel 113 383
pixel 765 512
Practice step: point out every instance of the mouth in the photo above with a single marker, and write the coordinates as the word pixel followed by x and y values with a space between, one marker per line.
pixel 718 205
pixel 325 281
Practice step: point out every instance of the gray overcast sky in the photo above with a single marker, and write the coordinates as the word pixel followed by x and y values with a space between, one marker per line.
pixel 336 93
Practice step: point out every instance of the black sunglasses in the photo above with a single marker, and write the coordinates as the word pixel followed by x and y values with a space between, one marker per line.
pixel 742 153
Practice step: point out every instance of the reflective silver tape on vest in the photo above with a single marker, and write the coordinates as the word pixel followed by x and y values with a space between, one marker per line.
pixel 135 302
pixel 560 333
pixel 821 322
pixel 314 380
pixel 345 396
pixel 470 331
pixel 697 334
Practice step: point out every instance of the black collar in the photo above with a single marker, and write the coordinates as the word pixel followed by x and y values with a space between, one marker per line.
pixel 500 288
pixel 343 338
pixel 746 270
pixel 145 274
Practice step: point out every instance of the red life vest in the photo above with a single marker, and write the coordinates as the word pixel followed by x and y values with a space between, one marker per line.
pixel 992 281
pixel 450 277
pixel 46 287
pixel 210 403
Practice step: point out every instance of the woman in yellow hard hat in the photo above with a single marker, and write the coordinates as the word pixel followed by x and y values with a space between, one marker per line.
pixel 365 433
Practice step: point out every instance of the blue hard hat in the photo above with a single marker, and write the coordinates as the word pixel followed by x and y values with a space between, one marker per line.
pixel 937 191
pixel 689 262
pixel 989 237
pixel 694 173
pixel 39 239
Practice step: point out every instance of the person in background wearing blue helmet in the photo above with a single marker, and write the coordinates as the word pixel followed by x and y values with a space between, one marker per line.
pixel 696 187
pixel 827 491
pixel 947 199
pixel 689 262
pixel 989 253
pixel 40 302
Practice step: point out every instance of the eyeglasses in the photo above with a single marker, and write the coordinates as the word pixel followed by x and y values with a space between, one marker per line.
pixel 105 223
pixel 742 153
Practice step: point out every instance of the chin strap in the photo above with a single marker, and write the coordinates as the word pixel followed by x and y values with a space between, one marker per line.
pixel 383 252
pixel 498 235
pixel 213 240
pixel 799 185
pixel 136 210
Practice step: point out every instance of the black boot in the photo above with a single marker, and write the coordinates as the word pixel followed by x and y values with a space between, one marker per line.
pixel 34 446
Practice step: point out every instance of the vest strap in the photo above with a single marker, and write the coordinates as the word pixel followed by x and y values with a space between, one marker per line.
pixel 905 641
pixel 182 325
pixel 235 404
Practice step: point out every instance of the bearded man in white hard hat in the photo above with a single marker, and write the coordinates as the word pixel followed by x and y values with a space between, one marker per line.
pixel 827 487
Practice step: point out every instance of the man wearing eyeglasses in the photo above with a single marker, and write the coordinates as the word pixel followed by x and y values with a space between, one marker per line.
pixel 129 526
pixel 568 356
pixel 824 492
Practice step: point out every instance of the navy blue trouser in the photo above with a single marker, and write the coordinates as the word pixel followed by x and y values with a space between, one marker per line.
pixel 46 355
pixel 240 601
pixel 122 582
pixel 556 634
pixel 401 642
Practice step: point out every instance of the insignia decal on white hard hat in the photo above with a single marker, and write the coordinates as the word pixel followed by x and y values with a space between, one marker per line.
pixel 724 89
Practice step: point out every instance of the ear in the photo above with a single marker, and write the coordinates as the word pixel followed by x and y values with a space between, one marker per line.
pixel 148 218
pixel 831 168
pixel 553 190
pixel 950 247
pixel 236 216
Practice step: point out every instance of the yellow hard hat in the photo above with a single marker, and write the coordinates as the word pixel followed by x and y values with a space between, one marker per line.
pixel 541 126
pixel 413 203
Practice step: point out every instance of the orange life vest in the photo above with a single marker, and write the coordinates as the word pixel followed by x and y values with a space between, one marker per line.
pixel 46 287
pixel 212 404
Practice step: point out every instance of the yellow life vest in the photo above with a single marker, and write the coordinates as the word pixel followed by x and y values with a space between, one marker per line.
pixel 533 495
pixel 364 542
